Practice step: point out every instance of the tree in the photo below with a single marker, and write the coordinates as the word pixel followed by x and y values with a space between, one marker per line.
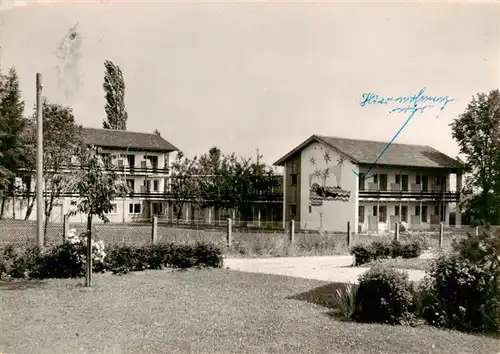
pixel 183 186
pixel 477 132
pixel 98 185
pixel 235 183
pixel 12 124
pixel 61 143
pixel 114 88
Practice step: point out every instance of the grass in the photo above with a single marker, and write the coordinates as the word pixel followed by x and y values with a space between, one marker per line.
pixel 401 263
pixel 207 311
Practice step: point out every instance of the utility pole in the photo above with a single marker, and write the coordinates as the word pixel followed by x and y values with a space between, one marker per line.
pixel 39 162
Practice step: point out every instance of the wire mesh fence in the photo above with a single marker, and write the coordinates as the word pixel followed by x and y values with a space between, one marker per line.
pixel 246 238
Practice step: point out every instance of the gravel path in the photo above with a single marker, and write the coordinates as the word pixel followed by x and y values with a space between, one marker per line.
pixel 326 268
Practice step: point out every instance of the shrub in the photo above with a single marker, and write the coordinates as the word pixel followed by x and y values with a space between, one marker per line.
pixel 384 295
pixel 345 300
pixel 362 254
pixel 412 249
pixel 462 292
pixel 124 259
pixel 22 262
pixel 381 249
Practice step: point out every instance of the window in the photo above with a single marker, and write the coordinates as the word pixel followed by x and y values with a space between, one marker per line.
pixel 362 181
pixel 424 213
pixel 156 185
pixel 436 209
pixel 293 179
pixel 396 210
pixel 361 213
pixel 114 209
pixel 404 182
pixel 425 183
pixel 375 178
pixel 418 180
pixel 134 208
pixel 382 217
pixel 374 210
pixel 293 209
pixel 398 179
pixel 131 184
pixel 157 208
pixel 417 210
pixel 383 182
pixel 404 213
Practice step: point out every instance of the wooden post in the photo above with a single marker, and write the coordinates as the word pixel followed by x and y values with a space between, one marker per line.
pixel 65 227
pixel 39 162
pixel 476 230
pixel 229 232
pixel 441 234
pixel 88 278
pixel 349 236
pixel 396 231
pixel 292 231
pixel 154 230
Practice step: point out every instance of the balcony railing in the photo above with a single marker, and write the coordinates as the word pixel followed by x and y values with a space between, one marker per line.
pixel 412 194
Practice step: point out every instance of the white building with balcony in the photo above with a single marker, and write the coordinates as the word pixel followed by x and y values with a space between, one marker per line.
pixel 329 181
pixel 142 159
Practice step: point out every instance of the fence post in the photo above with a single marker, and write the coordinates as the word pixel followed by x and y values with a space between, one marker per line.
pixel 292 231
pixel 229 232
pixel 349 236
pixel 396 231
pixel 65 227
pixel 441 235
pixel 476 230
pixel 154 230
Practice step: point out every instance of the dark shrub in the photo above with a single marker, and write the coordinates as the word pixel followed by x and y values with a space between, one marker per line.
pixel 381 249
pixel 64 261
pixel 362 254
pixel 23 262
pixel 462 294
pixel 125 258
pixel 384 295
pixel 411 249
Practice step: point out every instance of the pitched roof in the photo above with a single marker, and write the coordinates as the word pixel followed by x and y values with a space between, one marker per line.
pixel 366 152
pixel 112 138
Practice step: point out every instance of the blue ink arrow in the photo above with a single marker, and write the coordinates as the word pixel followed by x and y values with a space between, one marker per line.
pixel 389 144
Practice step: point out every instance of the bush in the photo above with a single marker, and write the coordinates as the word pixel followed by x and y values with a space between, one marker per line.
pixel 412 249
pixel 378 249
pixel 129 258
pixel 22 262
pixel 362 254
pixel 462 289
pixel 384 295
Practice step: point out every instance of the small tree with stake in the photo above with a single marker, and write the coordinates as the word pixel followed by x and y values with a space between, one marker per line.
pixel 98 185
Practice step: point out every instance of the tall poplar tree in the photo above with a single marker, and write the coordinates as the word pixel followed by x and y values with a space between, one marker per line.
pixel 114 89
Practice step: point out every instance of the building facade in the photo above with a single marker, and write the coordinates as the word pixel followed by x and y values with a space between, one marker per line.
pixel 330 181
pixel 144 161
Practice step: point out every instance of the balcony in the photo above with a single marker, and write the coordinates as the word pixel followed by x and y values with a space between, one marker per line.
pixel 395 193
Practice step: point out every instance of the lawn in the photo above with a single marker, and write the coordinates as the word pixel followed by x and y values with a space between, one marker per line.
pixel 200 311
pixel 400 263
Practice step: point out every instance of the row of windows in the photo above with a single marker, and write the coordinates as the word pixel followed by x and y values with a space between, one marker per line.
pixel 403 180
pixel 136 208
pixel 146 183
pixel 403 212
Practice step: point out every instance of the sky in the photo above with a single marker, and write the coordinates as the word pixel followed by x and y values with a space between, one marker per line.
pixel 258 75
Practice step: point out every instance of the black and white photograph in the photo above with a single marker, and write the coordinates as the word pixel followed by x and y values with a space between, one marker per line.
pixel 249 177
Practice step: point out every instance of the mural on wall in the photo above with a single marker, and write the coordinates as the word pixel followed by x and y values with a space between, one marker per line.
pixel 319 190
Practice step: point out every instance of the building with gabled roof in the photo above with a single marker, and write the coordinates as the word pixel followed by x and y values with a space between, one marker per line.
pixel 330 181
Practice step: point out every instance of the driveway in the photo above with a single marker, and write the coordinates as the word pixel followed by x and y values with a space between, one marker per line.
pixel 326 268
